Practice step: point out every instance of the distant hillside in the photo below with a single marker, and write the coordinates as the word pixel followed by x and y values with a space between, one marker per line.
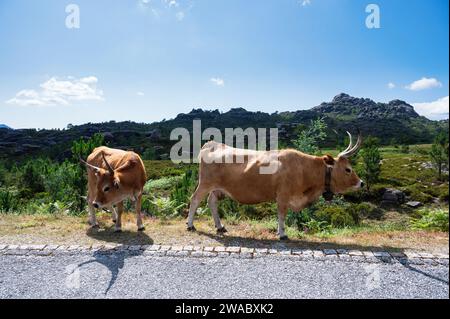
pixel 391 121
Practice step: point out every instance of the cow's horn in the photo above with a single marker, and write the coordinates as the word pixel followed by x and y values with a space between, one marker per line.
pixel 351 150
pixel 350 144
pixel 110 169
pixel 95 168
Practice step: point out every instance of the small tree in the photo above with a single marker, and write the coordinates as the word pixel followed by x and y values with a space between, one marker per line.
pixel 32 176
pixel 309 138
pixel 81 149
pixel 371 161
pixel 439 153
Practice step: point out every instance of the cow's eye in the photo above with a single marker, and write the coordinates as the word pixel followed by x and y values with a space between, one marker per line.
pixel 348 170
pixel 106 189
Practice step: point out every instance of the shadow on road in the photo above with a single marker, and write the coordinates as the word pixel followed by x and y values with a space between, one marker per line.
pixel 114 259
pixel 426 274
pixel 301 243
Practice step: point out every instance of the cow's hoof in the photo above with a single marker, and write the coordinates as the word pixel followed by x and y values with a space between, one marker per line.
pixel 284 237
pixel 118 230
pixel 222 230
pixel 192 228
pixel 142 228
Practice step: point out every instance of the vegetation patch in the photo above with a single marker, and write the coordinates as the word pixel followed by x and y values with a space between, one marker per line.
pixel 431 219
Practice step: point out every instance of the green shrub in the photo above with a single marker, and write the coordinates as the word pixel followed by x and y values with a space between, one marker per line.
pixel 442 192
pixel 299 219
pixel 3 173
pixel 9 201
pixel 365 210
pixel 439 153
pixel 314 226
pixel 307 221
pixel 164 183
pixel 341 218
pixel 435 219
pixel 82 149
pixel 229 208
pixel 147 205
pixel 337 216
pixel 165 208
pixel 46 208
pixel 32 176
pixel 371 161
pixel 160 169
pixel 183 190
pixel 149 154
pixel 405 149
pixel 418 193
pixel 309 138
pixel 61 183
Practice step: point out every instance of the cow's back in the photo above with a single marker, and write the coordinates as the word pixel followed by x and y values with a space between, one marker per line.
pixel 116 158
pixel 248 181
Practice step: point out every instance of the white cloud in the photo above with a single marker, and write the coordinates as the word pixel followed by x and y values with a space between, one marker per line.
pixel 218 81
pixel 173 3
pixel 140 93
pixel 164 8
pixel 60 92
pixel 423 84
pixel 305 2
pixel 391 85
pixel 435 110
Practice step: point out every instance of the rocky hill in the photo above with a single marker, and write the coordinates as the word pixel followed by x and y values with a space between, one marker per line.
pixel 391 121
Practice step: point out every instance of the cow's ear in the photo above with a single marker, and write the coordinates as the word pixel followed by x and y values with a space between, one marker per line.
pixel 116 182
pixel 329 160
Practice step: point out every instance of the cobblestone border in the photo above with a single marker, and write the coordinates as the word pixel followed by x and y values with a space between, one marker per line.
pixel 348 255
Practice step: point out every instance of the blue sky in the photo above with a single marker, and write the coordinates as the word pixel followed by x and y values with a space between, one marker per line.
pixel 146 60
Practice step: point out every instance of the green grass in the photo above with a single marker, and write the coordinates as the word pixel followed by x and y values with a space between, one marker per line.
pixel 431 219
pixel 162 184
pixel 160 169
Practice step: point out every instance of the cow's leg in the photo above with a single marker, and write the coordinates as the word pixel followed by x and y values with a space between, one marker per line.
pixel 140 225
pixel 196 199
pixel 212 203
pixel 92 218
pixel 282 212
pixel 113 211
pixel 91 208
pixel 119 211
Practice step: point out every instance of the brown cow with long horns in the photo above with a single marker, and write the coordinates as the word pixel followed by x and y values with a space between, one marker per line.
pixel 294 179
pixel 113 176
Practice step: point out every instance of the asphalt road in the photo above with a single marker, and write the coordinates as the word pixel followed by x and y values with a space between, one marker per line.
pixel 137 276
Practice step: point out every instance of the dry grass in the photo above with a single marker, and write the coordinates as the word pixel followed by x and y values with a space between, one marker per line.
pixel 28 229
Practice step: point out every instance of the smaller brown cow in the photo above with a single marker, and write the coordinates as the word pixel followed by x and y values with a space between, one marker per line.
pixel 297 181
pixel 113 176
